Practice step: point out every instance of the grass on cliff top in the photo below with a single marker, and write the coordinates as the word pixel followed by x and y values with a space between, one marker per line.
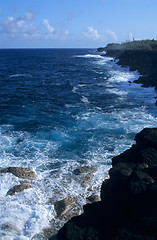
pixel 144 45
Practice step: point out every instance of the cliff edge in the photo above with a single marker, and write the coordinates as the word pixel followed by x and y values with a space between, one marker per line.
pixel 128 208
pixel 138 55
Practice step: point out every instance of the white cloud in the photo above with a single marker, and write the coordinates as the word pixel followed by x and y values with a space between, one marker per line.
pixel 111 34
pixel 18 27
pixel 53 33
pixel 92 34
pixel 48 26
pixel 14 26
pixel 10 19
pixel 24 28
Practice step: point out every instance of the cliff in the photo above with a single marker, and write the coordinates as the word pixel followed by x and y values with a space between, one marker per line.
pixel 138 55
pixel 128 208
pixel 143 61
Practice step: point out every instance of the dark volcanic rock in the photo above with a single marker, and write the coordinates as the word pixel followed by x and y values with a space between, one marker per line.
pixel 74 231
pixel 101 49
pixel 147 137
pixel 86 173
pixel 121 170
pixel 86 227
pixel 85 169
pixel 143 61
pixel 19 172
pixel 64 205
pixel 138 55
pixel 93 198
pixel 18 188
pixel 128 208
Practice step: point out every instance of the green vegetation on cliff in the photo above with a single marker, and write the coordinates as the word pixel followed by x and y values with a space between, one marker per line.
pixel 144 45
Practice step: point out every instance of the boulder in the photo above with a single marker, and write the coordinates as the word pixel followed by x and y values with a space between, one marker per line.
pixel 85 169
pixel 19 172
pixel 93 198
pixel 86 174
pixel 63 206
pixel 85 180
pixel 18 188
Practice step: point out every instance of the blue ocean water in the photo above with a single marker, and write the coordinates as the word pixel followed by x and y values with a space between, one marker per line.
pixel 61 109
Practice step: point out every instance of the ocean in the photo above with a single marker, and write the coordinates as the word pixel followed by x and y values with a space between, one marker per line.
pixel 61 109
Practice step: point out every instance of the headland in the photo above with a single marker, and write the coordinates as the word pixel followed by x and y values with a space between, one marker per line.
pixel 138 55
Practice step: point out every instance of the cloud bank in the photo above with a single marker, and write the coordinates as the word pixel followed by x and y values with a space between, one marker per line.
pixel 24 27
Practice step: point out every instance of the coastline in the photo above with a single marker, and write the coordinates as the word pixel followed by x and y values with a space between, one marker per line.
pixel 112 117
pixel 145 63
pixel 127 207
pixel 138 57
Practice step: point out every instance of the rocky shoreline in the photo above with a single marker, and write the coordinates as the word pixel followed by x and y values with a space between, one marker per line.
pixel 65 208
pixel 127 209
pixel 146 64
pixel 137 55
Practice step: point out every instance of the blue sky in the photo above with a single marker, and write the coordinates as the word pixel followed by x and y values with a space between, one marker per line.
pixel 75 23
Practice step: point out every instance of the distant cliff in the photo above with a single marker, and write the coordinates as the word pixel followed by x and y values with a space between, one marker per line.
pixel 138 55
pixel 143 61
pixel 140 45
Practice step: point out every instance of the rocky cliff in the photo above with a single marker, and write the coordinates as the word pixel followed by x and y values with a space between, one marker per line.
pixel 138 55
pixel 128 206
pixel 143 61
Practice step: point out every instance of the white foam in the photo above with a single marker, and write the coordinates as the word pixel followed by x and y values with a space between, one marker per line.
pixel 20 75
pixel 122 75
pixel 84 99
pixel 121 83
pixel 74 90
pixel 117 92
pixel 89 56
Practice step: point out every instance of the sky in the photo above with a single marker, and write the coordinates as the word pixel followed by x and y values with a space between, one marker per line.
pixel 75 23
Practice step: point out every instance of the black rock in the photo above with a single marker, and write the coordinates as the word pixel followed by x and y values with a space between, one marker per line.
pixel 18 188
pixel 147 138
pixel 63 206
pixel 128 206
pixel 20 172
